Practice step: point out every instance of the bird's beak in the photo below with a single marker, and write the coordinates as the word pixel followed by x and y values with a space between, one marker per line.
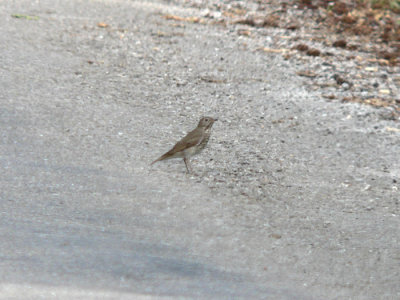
pixel 215 119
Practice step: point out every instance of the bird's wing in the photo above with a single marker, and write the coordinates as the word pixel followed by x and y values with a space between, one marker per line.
pixel 193 138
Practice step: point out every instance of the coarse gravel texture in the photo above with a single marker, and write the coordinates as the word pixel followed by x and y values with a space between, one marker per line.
pixel 294 197
pixel 338 64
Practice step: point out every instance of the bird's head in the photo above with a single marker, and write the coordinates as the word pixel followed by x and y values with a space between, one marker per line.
pixel 206 122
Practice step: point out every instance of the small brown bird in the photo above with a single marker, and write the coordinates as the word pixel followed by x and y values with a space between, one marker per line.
pixel 193 143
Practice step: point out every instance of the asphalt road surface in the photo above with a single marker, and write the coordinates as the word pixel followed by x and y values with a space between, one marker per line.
pixel 294 197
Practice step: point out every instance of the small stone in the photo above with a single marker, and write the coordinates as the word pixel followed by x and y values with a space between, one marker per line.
pixel 313 52
pixel 275 235
pixel 340 44
pixel 301 47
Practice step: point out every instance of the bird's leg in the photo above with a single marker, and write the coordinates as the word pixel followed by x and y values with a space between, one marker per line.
pixel 188 168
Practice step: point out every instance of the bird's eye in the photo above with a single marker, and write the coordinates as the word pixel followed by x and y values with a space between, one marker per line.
pixel 206 119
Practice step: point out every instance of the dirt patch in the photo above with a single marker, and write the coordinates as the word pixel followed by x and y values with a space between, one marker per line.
pixel 352 49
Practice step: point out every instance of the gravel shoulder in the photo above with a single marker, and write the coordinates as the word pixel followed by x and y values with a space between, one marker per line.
pixel 294 198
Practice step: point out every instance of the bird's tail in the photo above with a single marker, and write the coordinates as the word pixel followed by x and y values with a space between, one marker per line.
pixel 162 157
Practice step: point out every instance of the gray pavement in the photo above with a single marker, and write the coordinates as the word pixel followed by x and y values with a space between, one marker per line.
pixel 295 197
